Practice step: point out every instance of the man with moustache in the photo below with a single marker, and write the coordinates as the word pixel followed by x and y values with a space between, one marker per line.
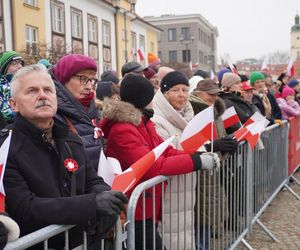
pixel 48 178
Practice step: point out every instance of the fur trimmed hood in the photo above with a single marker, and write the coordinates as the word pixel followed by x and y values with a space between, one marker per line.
pixel 119 111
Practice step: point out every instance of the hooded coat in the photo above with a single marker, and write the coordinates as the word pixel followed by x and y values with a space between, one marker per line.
pixel 79 120
pixel 169 122
pixel 130 136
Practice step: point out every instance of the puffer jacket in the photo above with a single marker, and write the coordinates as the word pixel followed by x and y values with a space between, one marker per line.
pixel 169 122
pixel 72 113
pixel 130 136
pixel 288 109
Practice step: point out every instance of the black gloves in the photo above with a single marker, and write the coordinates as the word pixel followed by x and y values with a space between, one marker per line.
pixel 110 203
pixel 224 145
pixel 3 235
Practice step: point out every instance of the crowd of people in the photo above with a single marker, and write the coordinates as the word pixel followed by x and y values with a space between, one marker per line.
pixel 53 112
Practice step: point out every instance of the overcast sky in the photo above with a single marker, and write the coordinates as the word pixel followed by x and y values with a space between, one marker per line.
pixel 247 28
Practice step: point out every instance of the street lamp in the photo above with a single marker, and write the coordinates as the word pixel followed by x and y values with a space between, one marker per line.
pixel 184 40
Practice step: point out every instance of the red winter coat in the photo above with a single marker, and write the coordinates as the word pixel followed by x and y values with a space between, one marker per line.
pixel 129 137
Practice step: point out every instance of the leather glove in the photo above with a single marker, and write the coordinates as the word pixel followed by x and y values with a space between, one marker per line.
pixel 3 235
pixel 110 203
pixel 224 145
pixel 205 161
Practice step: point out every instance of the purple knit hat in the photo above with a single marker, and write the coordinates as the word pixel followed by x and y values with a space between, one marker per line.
pixel 70 65
pixel 222 72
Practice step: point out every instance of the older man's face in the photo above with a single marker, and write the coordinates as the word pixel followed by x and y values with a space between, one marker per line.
pixel 35 98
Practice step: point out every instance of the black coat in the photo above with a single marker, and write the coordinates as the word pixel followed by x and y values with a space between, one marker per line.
pixel 70 108
pixel 243 109
pixel 276 111
pixel 38 185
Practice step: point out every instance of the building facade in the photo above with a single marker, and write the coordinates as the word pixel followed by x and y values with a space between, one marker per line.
pixel 102 29
pixel 295 39
pixel 185 39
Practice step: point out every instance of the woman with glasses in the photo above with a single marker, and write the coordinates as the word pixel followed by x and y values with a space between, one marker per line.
pixel 75 80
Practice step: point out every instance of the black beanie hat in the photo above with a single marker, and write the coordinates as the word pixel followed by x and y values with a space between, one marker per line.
pixel 136 90
pixel 201 73
pixel 171 79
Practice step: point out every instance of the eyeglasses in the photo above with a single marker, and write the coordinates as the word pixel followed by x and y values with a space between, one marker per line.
pixel 84 80
pixel 14 63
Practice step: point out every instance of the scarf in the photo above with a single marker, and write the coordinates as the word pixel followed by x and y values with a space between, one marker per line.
pixel 86 101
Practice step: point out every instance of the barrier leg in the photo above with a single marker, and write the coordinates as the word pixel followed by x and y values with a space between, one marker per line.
pixel 292 191
pixel 246 244
pixel 267 231
pixel 294 178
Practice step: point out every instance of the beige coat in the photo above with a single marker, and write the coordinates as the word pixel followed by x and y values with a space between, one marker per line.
pixel 179 201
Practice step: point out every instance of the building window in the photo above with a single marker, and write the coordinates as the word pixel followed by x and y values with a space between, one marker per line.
pixel 201 56
pixel 172 56
pixel 133 40
pixel 92 29
pixel 172 35
pixel 57 14
pixel 185 33
pixel 31 39
pixel 124 56
pixel 31 2
pixel 106 33
pixel 142 41
pixel 186 55
pixel 76 23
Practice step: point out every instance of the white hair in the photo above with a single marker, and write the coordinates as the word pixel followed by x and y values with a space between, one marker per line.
pixel 14 84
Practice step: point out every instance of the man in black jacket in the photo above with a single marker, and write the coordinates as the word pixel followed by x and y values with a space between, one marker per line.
pixel 48 178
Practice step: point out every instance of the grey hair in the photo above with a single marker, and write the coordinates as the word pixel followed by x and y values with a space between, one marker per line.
pixel 14 84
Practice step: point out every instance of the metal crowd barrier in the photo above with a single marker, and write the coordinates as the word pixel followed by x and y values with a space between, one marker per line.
pixel 226 202
pixel 201 210
pixel 45 234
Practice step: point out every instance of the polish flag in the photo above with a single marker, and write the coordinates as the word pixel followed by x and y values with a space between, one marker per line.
pixel 291 68
pixel 231 66
pixel 130 177
pixel 264 66
pixel 3 158
pixel 250 133
pixel 212 75
pixel 199 130
pixel 230 117
pixel 191 66
pixel 108 168
pixel 141 53
pixel 256 117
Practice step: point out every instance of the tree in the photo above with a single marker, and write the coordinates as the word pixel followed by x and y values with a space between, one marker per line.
pixel 277 57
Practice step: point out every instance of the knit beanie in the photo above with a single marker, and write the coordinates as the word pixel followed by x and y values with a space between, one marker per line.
pixel 45 62
pixel 6 58
pixel 287 91
pixel 222 72
pixel 110 75
pixel 201 73
pixel 256 76
pixel 149 73
pixel 153 60
pixel 136 90
pixel 293 83
pixel 70 65
pixel 172 79
pixel 104 89
pixel 230 79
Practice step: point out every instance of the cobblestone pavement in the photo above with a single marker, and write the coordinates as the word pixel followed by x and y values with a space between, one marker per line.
pixel 282 217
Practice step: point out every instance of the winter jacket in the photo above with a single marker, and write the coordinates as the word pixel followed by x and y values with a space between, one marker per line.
pixel 37 184
pixel 276 111
pixel 169 122
pixel 288 109
pixel 129 137
pixel 5 95
pixel 217 201
pixel 243 109
pixel 71 112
